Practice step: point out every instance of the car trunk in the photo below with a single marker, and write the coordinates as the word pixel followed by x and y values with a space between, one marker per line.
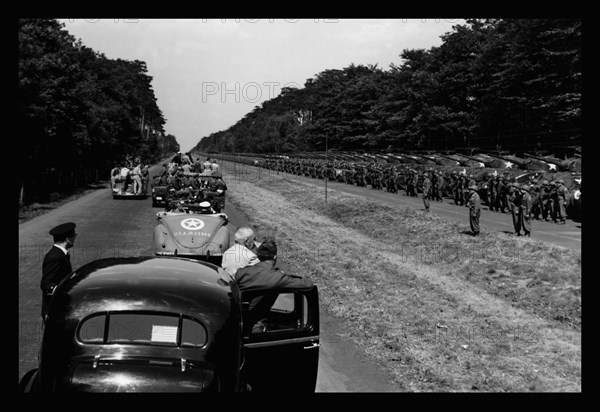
pixel 141 376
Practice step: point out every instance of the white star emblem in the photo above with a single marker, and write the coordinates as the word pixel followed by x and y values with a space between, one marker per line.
pixel 481 164
pixel 192 224
pixel 508 165
pixel 551 166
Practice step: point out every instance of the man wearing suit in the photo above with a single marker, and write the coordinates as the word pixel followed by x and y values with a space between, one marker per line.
pixel 57 264
pixel 265 276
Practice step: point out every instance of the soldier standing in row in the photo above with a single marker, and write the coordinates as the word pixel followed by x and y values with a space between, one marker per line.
pixel 437 186
pixel 454 187
pixel 459 189
pixel 470 183
pixel 514 205
pixel 536 199
pixel 491 193
pixel 426 190
pixel 525 210
pixel 474 205
pixel 547 209
pixel 502 196
pixel 412 183
pixel 560 205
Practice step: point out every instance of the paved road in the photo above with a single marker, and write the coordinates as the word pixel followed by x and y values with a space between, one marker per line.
pixel 567 235
pixel 121 228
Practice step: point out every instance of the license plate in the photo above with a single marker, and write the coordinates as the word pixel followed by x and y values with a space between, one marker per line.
pixel 158 198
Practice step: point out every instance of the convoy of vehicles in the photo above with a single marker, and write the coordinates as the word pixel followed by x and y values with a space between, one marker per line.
pixel 175 322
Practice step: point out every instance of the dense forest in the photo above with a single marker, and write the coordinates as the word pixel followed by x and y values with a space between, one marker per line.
pixel 79 113
pixel 493 84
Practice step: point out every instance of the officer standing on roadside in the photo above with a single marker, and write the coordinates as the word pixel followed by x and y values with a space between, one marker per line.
pixel 562 196
pixel 474 205
pixel 57 264
pixel 426 190
pixel 514 205
pixel 525 211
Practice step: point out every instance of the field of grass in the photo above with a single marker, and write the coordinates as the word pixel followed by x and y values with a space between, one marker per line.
pixel 441 310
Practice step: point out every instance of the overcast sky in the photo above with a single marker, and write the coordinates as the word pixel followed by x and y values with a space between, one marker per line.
pixel 207 74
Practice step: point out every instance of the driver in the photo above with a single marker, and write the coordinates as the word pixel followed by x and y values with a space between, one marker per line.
pixel 206 208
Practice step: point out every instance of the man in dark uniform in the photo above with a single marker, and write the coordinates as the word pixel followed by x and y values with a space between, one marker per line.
pixel 57 264
pixel 547 210
pixel 471 182
pixel 462 181
pixel 502 191
pixel 562 197
pixel 514 205
pixel 454 182
pixel 474 205
pixel 437 186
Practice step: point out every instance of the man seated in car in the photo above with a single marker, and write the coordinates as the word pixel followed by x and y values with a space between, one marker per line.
pixel 265 276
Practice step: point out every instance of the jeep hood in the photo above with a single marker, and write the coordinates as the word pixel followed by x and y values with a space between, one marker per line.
pixel 192 231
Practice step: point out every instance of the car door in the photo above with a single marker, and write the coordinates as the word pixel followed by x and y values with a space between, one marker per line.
pixel 281 349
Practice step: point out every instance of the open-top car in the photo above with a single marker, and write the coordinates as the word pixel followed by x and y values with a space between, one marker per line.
pixel 190 229
pixel 215 190
pixel 196 186
pixel 165 324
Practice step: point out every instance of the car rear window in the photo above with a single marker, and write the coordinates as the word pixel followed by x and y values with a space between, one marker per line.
pixel 143 329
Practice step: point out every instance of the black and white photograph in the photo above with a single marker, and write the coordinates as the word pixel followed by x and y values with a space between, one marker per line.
pixel 300 205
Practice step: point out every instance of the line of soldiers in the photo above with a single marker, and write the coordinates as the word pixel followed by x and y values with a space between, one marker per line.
pixel 549 199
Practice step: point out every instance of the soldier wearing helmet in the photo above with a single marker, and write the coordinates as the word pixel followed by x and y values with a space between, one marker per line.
pixel 546 203
pixel 525 209
pixel 426 190
pixel 561 201
pixel 454 182
pixel 502 190
pixel 514 205
pixel 492 192
pixel 474 205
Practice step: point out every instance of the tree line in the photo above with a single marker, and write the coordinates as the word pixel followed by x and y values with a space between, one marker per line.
pixel 79 112
pixel 493 84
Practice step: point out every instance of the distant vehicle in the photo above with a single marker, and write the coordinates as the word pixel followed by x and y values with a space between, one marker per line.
pixel 191 230
pixel 165 324
pixel 123 187
pixel 159 194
